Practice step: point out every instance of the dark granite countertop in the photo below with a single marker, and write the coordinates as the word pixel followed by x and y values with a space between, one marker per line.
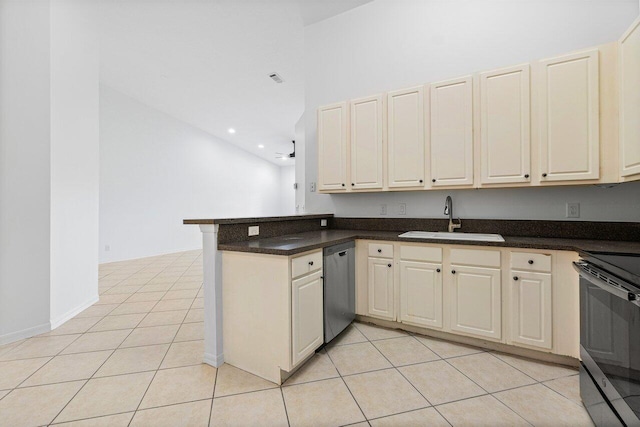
pixel 301 242
pixel 255 220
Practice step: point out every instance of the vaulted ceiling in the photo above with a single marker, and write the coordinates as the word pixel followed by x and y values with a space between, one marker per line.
pixel 207 63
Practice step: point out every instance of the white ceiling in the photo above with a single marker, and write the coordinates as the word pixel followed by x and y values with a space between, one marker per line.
pixel 207 62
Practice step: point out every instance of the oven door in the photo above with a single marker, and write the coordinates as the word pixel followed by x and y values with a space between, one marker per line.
pixel 610 339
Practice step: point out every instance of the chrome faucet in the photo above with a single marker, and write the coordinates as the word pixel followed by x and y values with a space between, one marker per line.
pixel 448 210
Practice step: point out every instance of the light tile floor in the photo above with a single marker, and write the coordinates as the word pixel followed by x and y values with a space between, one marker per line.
pixel 134 359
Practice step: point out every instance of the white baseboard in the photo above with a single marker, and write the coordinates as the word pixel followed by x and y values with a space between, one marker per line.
pixel 213 360
pixel 73 312
pixel 25 333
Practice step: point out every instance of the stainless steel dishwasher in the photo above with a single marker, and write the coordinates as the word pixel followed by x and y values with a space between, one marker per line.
pixel 339 288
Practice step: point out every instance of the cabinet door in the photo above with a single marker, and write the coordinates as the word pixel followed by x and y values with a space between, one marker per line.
pixel 306 316
pixel 629 51
pixel 451 134
pixel 531 308
pixel 380 284
pixel 421 293
pixel 406 137
pixel 475 301
pixel 569 117
pixel 366 143
pixel 505 154
pixel 332 147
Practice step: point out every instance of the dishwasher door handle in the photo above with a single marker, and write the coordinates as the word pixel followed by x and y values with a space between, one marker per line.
pixel 343 253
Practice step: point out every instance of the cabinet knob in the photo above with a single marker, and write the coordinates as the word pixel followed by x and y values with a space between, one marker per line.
pixel 379 251
pixel 544 175
pixel 530 261
pixel 310 262
pixel 526 175
pixel 515 278
pixel 421 181
pixel 453 272
pixel 437 270
pixel 343 184
pixel 433 180
pixel 388 265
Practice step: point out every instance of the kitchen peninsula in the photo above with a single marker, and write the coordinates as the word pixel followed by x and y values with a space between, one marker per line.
pixel 466 291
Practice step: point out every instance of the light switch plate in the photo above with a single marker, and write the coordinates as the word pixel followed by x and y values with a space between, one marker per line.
pixel 402 209
pixel 323 223
pixel 254 230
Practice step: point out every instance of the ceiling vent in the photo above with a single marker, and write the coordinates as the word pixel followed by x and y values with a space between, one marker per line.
pixel 276 78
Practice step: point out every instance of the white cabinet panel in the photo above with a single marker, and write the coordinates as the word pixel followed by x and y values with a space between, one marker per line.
pixel 406 137
pixel 332 147
pixel 505 153
pixel 380 284
pixel 306 316
pixel 421 293
pixel 568 119
pixel 629 51
pixel 451 134
pixel 475 301
pixel 366 143
pixel 531 309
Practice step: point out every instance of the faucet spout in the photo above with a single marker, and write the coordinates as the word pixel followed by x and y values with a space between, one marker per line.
pixel 448 210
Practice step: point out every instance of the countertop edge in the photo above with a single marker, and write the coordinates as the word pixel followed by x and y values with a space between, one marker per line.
pixel 254 220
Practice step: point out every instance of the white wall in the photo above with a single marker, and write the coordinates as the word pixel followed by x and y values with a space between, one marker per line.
pixel 24 169
pixel 287 192
pixel 74 158
pixel 48 164
pixel 391 44
pixel 156 171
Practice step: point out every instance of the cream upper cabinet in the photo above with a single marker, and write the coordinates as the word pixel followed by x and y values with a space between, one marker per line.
pixel 307 316
pixel 568 117
pixel 380 288
pixel 505 153
pixel 421 293
pixel 332 147
pixel 451 132
pixel 531 308
pixel 405 128
pixel 629 54
pixel 366 143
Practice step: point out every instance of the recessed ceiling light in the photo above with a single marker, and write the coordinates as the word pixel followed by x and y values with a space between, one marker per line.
pixel 284 159
pixel 260 146
pixel 231 130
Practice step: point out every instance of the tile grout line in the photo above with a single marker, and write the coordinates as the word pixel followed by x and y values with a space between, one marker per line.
pixel 284 403
pixel 213 396
pixel 163 357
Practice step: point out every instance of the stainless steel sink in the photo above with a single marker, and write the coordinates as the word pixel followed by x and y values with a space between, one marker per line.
pixel 477 237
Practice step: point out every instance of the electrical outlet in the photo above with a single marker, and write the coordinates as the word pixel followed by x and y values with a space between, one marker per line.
pixel 312 187
pixel 573 210
pixel 402 209
pixel 107 248
pixel 323 223
pixel 254 230
pixel 383 209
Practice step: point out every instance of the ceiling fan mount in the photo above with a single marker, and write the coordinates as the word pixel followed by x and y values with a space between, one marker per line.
pixel 291 155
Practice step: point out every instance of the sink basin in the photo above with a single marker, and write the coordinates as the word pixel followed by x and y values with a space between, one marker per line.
pixel 477 237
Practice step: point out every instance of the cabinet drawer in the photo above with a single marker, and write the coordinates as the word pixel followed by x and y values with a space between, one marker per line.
pixel 530 261
pixel 420 253
pixel 479 257
pixel 381 250
pixel 306 264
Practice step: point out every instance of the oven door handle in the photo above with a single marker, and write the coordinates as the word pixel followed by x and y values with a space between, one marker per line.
pixel 620 292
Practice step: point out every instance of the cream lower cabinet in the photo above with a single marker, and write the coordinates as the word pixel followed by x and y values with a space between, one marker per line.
pixel 380 286
pixel 531 308
pixel 421 293
pixel 475 301
pixel 272 311
pixel 306 331
pixel 531 302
